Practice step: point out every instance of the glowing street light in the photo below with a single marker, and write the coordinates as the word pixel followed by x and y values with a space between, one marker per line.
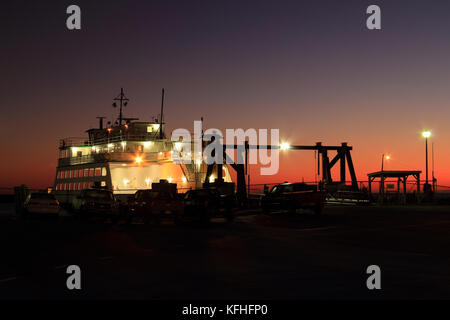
pixel 138 160
pixel 285 146
pixel 387 157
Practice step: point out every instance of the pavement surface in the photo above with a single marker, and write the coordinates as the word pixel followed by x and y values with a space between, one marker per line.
pixel 258 256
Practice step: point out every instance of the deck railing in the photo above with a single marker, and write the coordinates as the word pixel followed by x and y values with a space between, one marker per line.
pixel 77 141
pixel 112 157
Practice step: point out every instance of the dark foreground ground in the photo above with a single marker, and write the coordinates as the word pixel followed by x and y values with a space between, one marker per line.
pixel 256 257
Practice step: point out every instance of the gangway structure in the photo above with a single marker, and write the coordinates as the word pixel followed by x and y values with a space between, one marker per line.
pixel 324 165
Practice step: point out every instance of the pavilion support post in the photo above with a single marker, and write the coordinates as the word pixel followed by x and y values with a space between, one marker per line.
pixel 418 183
pixel 404 189
pixel 418 187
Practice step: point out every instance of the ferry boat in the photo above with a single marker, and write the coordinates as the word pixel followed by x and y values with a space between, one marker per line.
pixel 124 157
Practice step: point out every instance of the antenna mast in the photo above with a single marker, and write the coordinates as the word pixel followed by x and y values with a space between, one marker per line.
pixel 123 100
pixel 161 116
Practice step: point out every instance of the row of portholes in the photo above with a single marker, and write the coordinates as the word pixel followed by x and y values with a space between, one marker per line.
pixel 74 186
pixel 80 173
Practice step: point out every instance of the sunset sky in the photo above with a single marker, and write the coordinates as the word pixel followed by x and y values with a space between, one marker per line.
pixel 309 68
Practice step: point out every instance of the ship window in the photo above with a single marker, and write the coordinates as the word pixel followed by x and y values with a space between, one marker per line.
pixel 85 185
pixel 98 172
pixel 103 184
pixel 86 172
pixel 80 173
pixel 75 186
pixel 91 172
pixel 70 173
pixel 75 174
pixel 140 148
pixel 79 153
pixel 70 186
pixel 104 172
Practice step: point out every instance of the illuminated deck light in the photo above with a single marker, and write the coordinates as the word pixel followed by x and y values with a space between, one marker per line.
pixel 285 146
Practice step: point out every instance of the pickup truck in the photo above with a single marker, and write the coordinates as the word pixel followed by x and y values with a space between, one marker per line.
pixel 151 206
pixel 293 196
pixel 97 203
pixel 203 204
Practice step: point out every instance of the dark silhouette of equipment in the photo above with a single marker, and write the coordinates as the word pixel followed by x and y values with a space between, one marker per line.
pixel 342 156
pixel 100 122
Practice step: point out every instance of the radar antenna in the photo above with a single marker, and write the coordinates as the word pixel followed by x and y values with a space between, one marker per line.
pixel 123 100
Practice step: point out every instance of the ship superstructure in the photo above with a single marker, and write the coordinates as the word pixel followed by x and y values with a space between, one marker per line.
pixel 124 157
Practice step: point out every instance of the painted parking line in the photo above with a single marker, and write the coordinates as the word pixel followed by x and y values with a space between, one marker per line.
pixel 62 266
pixel 106 258
pixel 8 279
pixel 319 229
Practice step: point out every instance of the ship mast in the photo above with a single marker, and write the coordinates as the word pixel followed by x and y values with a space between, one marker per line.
pixel 123 100
pixel 162 112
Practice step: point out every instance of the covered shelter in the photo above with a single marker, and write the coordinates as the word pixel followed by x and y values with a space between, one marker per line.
pixel 401 176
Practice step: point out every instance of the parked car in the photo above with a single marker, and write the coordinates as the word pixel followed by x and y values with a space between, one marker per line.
pixel 293 196
pixel 152 206
pixel 42 203
pixel 99 203
pixel 203 204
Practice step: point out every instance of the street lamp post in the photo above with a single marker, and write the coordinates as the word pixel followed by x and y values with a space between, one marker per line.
pixel 382 161
pixel 426 135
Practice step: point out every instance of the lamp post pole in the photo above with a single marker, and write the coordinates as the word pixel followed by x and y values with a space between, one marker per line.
pixel 426 135
pixel 426 161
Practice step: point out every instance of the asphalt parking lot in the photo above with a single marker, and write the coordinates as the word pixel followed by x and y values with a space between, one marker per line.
pixel 276 256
